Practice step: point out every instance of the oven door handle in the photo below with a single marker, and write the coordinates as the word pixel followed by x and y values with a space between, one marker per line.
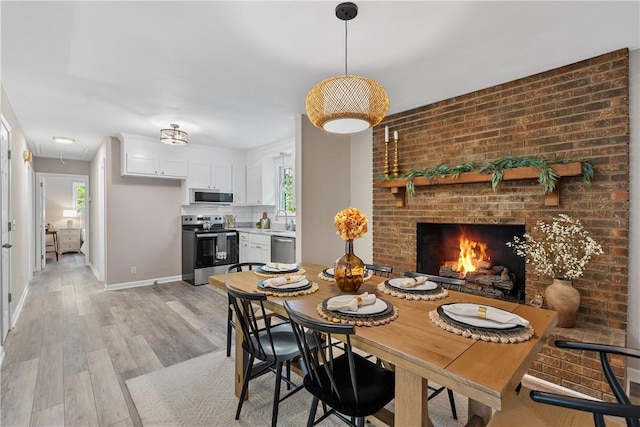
pixel 200 236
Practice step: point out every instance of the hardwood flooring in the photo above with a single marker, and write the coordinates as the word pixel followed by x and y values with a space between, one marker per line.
pixel 75 345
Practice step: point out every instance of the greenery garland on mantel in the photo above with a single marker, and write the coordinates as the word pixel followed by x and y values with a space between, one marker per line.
pixel 547 177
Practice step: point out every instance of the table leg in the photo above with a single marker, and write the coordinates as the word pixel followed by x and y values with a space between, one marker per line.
pixel 240 361
pixel 479 413
pixel 411 399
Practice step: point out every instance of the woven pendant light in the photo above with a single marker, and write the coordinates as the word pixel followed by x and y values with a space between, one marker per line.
pixel 346 104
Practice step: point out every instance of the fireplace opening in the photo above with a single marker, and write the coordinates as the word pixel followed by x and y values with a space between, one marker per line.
pixel 476 253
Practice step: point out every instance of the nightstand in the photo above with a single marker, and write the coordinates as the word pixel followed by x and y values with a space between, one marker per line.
pixel 69 239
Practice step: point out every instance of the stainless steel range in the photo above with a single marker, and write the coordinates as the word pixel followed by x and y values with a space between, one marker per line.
pixel 207 248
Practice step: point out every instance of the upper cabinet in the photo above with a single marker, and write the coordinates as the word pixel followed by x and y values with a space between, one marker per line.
pixel 261 184
pixel 205 174
pixel 141 156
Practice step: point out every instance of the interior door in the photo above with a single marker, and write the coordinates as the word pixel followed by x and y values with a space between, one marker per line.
pixel 4 232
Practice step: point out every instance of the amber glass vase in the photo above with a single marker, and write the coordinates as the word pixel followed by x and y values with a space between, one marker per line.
pixel 348 270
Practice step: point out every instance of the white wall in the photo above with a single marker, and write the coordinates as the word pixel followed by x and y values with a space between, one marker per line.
pixel 58 197
pixel 323 189
pixel 362 188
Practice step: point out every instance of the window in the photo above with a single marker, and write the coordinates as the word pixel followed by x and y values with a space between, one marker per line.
pixel 286 194
pixel 79 198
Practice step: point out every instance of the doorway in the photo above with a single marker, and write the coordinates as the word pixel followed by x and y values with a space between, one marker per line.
pixel 62 214
pixel 5 240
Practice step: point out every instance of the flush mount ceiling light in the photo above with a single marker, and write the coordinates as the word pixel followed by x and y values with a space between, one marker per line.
pixel 173 136
pixel 63 140
pixel 346 104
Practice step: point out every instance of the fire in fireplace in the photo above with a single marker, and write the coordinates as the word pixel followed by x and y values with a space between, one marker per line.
pixel 476 253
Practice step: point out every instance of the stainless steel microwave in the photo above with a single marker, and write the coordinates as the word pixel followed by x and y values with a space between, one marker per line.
pixel 199 195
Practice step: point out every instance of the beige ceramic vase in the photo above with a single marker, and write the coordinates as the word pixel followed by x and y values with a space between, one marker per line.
pixel 562 297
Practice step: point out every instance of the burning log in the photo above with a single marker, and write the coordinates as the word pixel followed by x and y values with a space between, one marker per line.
pixel 497 277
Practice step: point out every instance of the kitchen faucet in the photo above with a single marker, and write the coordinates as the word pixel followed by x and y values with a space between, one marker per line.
pixel 286 218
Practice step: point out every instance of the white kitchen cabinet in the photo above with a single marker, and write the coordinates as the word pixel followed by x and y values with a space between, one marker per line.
pixel 239 185
pixel 254 185
pixel 141 156
pixel 261 184
pixel 204 174
pixel 259 248
pixel 244 247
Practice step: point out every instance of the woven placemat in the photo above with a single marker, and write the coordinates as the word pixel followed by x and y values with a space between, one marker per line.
pixel 323 276
pixel 504 337
pixel 285 293
pixel 299 271
pixel 440 293
pixel 357 321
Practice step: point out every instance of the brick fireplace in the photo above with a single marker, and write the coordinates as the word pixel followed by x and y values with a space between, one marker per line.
pixel 578 111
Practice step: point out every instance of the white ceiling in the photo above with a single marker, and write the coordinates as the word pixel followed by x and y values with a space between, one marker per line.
pixel 235 74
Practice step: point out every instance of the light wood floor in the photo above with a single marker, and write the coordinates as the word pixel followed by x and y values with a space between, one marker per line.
pixel 75 345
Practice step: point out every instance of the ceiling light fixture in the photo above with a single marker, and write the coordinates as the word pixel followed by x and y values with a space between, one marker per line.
pixel 63 140
pixel 173 136
pixel 346 104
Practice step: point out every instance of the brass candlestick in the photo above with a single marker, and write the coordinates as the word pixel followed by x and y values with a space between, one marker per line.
pixel 396 169
pixel 386 159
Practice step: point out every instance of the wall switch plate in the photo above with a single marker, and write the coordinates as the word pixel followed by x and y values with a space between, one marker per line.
pixel 133 270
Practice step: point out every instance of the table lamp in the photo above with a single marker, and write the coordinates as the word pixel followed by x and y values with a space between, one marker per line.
pixel 69 213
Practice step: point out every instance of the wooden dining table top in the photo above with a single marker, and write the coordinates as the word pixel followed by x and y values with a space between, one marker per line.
pixel 485 372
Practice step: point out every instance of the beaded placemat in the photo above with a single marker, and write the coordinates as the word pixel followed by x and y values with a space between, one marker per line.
pixel 299 271
pixel 505 337
pixel 323 276
pixel 287 293
pixel 436 294
pixel 372 320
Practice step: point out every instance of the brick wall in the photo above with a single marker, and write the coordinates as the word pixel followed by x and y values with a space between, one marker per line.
pixel 579 111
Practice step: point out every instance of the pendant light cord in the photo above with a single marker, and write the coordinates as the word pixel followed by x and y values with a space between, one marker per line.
pixel 345 49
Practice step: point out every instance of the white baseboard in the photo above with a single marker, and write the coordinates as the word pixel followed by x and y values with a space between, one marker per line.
pixel 534 383
pixel 140 283
pixel 16 313
pixel 94 271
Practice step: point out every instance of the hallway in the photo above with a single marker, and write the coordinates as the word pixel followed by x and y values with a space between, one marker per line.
pixel 74 345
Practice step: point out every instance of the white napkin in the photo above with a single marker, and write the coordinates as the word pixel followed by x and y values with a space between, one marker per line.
pixel 276 282
pixel 280 266
pixel 471 313
pixel 410 282
pixel 350 303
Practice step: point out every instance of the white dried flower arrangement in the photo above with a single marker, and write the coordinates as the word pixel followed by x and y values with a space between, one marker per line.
pixel 560 249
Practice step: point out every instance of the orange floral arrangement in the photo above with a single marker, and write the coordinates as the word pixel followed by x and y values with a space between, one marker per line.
pixel 351 224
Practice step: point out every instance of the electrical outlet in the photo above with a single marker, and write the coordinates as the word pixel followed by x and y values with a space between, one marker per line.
pixel 133 270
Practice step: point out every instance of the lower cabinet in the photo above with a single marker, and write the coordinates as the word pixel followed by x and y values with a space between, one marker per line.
pixel 255 247
pixel 69 240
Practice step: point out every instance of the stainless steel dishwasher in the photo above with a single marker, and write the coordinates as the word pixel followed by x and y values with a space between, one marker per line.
pixel 283 249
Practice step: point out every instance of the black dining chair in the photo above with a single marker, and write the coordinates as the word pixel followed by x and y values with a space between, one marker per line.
pixel 379 270
pixel 622 408
pixel 348 383
pixel 236 268
pixel 274 345
pixel 446 282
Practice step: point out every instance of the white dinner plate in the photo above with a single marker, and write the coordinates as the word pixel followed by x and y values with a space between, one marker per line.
pixel 426 286
pixel 329 271
pixel 377 307
pixel 277 270
pixel 479 322
pixel 293 285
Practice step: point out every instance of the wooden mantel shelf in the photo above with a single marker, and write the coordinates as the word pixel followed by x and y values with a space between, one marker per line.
pixel 398 186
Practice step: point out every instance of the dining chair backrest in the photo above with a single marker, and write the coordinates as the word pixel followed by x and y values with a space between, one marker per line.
pixel 243 266
pixel 379 270
pixel 446 282
pixel 254 322
pixel 347 382
pixel 623 408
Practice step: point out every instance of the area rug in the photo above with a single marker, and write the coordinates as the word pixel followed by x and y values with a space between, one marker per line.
pixel 199 392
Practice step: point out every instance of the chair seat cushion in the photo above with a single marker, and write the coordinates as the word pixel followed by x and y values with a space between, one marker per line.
pixel 374 383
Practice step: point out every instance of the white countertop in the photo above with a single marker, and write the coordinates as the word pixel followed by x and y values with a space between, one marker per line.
pixel 269 231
